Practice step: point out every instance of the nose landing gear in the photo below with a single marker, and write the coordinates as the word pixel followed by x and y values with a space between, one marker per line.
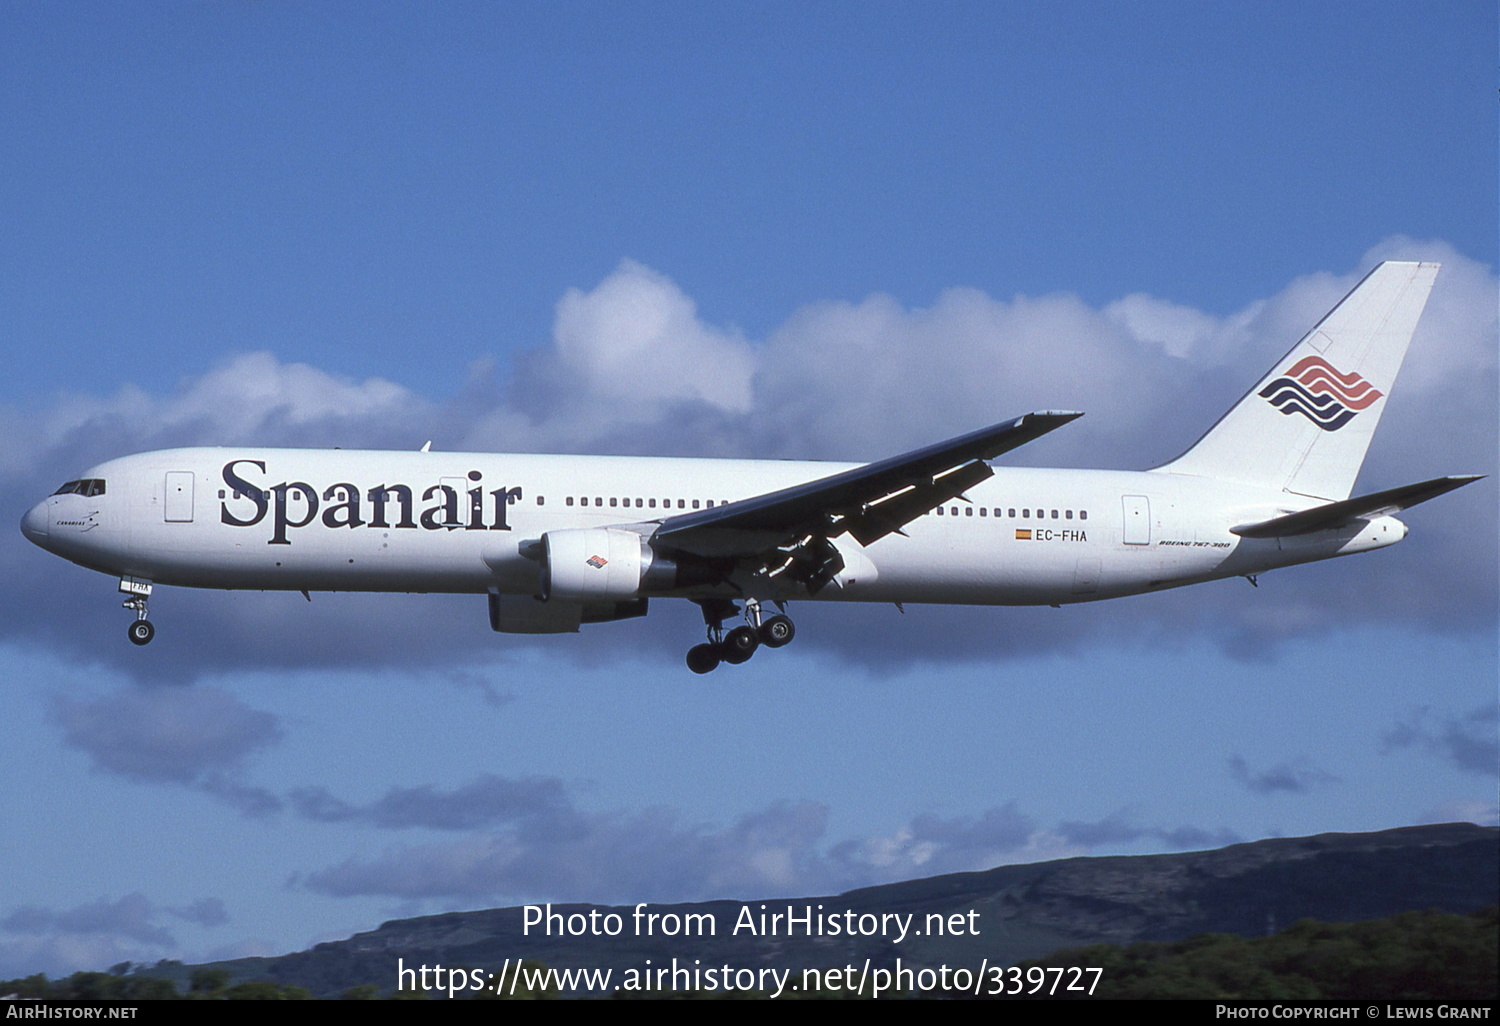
pixel 739 644
pixel 142 630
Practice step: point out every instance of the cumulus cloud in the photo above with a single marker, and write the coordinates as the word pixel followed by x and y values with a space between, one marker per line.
pixel 649 853
pixel 249 398
pixel 130 916
pixel 486 689
pixel 489 801
pixel 204 912
pixel 105 931
pixel 1482 811
pixel 1296 777
pixel 563 853
pixel 1118 830
pixel 1468 742
pixel 200 737
pixel 632 367
pixel 636 341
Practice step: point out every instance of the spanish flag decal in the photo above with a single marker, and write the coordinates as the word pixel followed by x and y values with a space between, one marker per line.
pixel 1023 534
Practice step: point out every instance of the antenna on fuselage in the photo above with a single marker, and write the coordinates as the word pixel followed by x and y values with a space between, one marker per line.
pixel 426 446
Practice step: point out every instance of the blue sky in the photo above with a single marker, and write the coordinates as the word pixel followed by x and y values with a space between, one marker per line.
pixel 820 230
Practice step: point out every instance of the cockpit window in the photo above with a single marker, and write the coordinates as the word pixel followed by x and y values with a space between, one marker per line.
pixel 89 486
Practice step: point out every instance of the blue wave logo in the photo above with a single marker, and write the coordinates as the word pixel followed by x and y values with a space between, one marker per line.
pixel 1315 389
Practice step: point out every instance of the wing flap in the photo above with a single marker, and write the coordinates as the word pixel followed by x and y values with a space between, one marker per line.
pixel 1337 514
pixel 893 512
pixel 875 499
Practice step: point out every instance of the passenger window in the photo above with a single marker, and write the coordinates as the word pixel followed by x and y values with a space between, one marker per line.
pixel 568 501
pixel 651 503
pixel 639 503
pixel 710 504
pixel 1026 514
pixel 541 501
pixel 940 511
pixel 983 512
pixel 968 511
pixel 695 503
pixel 1068 515
pixel 1054 514
pixel 1083 514
pixel 613 501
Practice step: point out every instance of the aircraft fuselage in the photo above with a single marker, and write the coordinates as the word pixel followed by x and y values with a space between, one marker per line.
pixel 347 520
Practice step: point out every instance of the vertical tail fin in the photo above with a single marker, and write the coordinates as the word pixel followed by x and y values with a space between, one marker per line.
pixel 1305 426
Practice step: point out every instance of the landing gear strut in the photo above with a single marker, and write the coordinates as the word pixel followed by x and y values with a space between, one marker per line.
pixel 739 644
pixel 142 630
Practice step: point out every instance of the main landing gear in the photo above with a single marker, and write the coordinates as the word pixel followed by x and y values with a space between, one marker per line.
pixel 739 644
pixel 142 630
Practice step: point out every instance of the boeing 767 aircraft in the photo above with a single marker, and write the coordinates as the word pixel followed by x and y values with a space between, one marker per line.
pixel 559 541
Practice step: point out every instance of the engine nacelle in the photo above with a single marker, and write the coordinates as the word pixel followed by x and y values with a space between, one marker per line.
pixel 593 564
pixel 605 564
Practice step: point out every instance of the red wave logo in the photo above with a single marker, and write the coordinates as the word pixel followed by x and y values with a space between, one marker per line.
pixel 1316 389
pixel 1319 376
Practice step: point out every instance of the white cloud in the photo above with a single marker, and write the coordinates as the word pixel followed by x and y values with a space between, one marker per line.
pixel 244 399
pixel 1483 811
pixel 636 340
pixel 1180 331
pixel 630 353
pixel 650 855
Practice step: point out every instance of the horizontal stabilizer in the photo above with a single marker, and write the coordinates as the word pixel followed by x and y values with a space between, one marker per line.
pixel 1337 514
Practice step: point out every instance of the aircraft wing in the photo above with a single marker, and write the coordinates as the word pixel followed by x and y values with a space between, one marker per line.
pixel 1337 514
pixel 867 502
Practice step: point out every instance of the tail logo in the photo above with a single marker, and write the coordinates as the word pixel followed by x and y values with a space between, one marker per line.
pixel 1313 388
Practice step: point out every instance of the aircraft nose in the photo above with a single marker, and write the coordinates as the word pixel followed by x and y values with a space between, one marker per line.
pixel 37 522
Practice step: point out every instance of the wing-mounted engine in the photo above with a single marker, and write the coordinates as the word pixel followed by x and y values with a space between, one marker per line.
pixel 592 564
pixel 610 564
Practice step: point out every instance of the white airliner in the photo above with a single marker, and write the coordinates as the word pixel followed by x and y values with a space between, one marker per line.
pixel 559 541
